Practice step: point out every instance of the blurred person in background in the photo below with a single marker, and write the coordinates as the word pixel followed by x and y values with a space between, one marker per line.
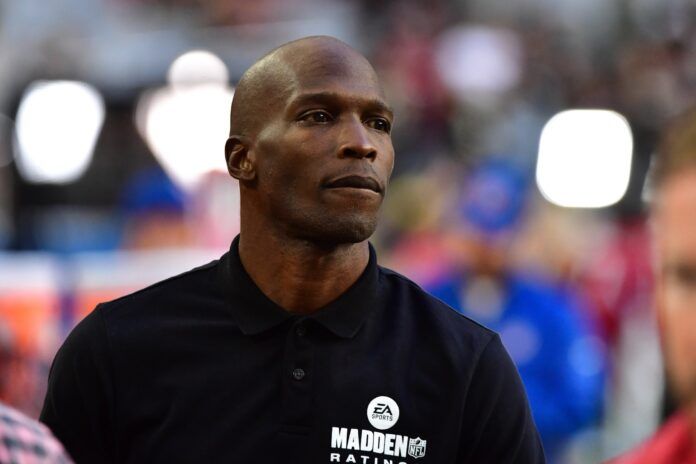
pixel 544 325
pixel 295 346
pixel 22 440
pixel 21 370
pixel 674 227
pixel 411 232
pixel 26 441
pixel 6 359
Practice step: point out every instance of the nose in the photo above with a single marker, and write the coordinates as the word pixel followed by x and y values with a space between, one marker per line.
pixel 355 141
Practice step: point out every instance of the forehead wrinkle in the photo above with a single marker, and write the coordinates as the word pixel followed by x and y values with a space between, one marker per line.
pixel 333 64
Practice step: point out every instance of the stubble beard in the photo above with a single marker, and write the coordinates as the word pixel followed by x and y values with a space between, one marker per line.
pixel 329 230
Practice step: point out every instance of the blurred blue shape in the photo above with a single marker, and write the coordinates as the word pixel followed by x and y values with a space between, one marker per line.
pixel 494 196
pixel 152 191
pixel 556 348
pixel 67 230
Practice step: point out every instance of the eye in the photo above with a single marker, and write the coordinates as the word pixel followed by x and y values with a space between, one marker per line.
pixel 380 124
pixel 316 116
pixel 685 275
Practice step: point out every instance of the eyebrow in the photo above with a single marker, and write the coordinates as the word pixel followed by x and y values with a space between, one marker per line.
pixel 331 97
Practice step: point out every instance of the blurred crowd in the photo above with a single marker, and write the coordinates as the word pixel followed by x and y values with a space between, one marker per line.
pixel 473 83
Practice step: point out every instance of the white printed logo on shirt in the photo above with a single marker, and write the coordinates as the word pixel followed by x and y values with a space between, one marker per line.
pixel 383 413
pixel 350 445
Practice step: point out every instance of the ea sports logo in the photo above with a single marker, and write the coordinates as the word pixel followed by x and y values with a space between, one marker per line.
pixel 383 412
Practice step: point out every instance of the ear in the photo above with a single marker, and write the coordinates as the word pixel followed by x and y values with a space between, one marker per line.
pixel 239 163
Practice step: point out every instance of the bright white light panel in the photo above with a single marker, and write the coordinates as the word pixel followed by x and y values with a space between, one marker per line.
pixel 57 126
pixel 585 158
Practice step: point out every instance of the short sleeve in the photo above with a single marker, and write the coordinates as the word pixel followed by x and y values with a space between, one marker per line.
pixel 79 401
pixel 498 426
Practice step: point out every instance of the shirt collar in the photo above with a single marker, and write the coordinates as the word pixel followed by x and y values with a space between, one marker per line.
pixel 256 313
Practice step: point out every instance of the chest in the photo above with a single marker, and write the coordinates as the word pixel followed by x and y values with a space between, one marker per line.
pixel 297 395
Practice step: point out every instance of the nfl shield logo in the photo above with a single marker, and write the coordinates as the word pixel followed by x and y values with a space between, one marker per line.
pixel 416 447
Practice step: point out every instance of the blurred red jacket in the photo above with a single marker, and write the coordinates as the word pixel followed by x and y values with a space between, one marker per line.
pixel 673 443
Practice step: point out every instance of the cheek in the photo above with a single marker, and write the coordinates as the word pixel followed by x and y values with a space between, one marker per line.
pixel 280 169
pixel 680 336
pixel 386 161
pixel 679 301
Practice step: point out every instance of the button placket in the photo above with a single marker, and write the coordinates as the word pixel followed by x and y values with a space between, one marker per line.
pixel 298 387
pixel 301 330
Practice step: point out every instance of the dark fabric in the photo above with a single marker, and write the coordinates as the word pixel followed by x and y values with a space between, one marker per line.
pixel 203 367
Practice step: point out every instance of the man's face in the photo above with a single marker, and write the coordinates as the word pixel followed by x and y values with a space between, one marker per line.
pixel 324 157
pixel 675 226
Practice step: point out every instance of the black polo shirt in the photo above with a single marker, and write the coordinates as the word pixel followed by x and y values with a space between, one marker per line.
pixel 203 367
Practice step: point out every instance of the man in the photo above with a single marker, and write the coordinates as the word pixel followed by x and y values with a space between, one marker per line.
pixel 674 221
pixel 25 441
pixel 294 346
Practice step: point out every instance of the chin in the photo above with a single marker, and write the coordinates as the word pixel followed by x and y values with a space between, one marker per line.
pixel 332 231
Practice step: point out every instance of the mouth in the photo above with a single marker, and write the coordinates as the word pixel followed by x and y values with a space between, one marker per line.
pixel 355 182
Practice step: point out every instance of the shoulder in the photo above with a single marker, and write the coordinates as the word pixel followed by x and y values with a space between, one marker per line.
pixel 24 437
pixel 431 314
pixel 191 284
pixel 141 310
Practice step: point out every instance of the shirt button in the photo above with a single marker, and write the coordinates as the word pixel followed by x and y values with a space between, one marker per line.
pixel 301 330
pixel 298 374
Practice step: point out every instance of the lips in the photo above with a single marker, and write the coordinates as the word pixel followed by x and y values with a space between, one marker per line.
pixel 356 182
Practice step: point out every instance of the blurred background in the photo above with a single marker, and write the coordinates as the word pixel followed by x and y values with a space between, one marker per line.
pixel 524 134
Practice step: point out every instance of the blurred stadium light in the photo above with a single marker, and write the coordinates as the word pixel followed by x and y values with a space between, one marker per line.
pixel 185 124
pixel 57 126
pixel 479 61
pixel 584 158
pixel 197 67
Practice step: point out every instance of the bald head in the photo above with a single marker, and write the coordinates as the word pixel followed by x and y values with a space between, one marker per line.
pixel 310 144
pixel 269 83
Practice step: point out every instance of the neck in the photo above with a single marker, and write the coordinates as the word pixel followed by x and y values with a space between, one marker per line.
pixel 298 275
